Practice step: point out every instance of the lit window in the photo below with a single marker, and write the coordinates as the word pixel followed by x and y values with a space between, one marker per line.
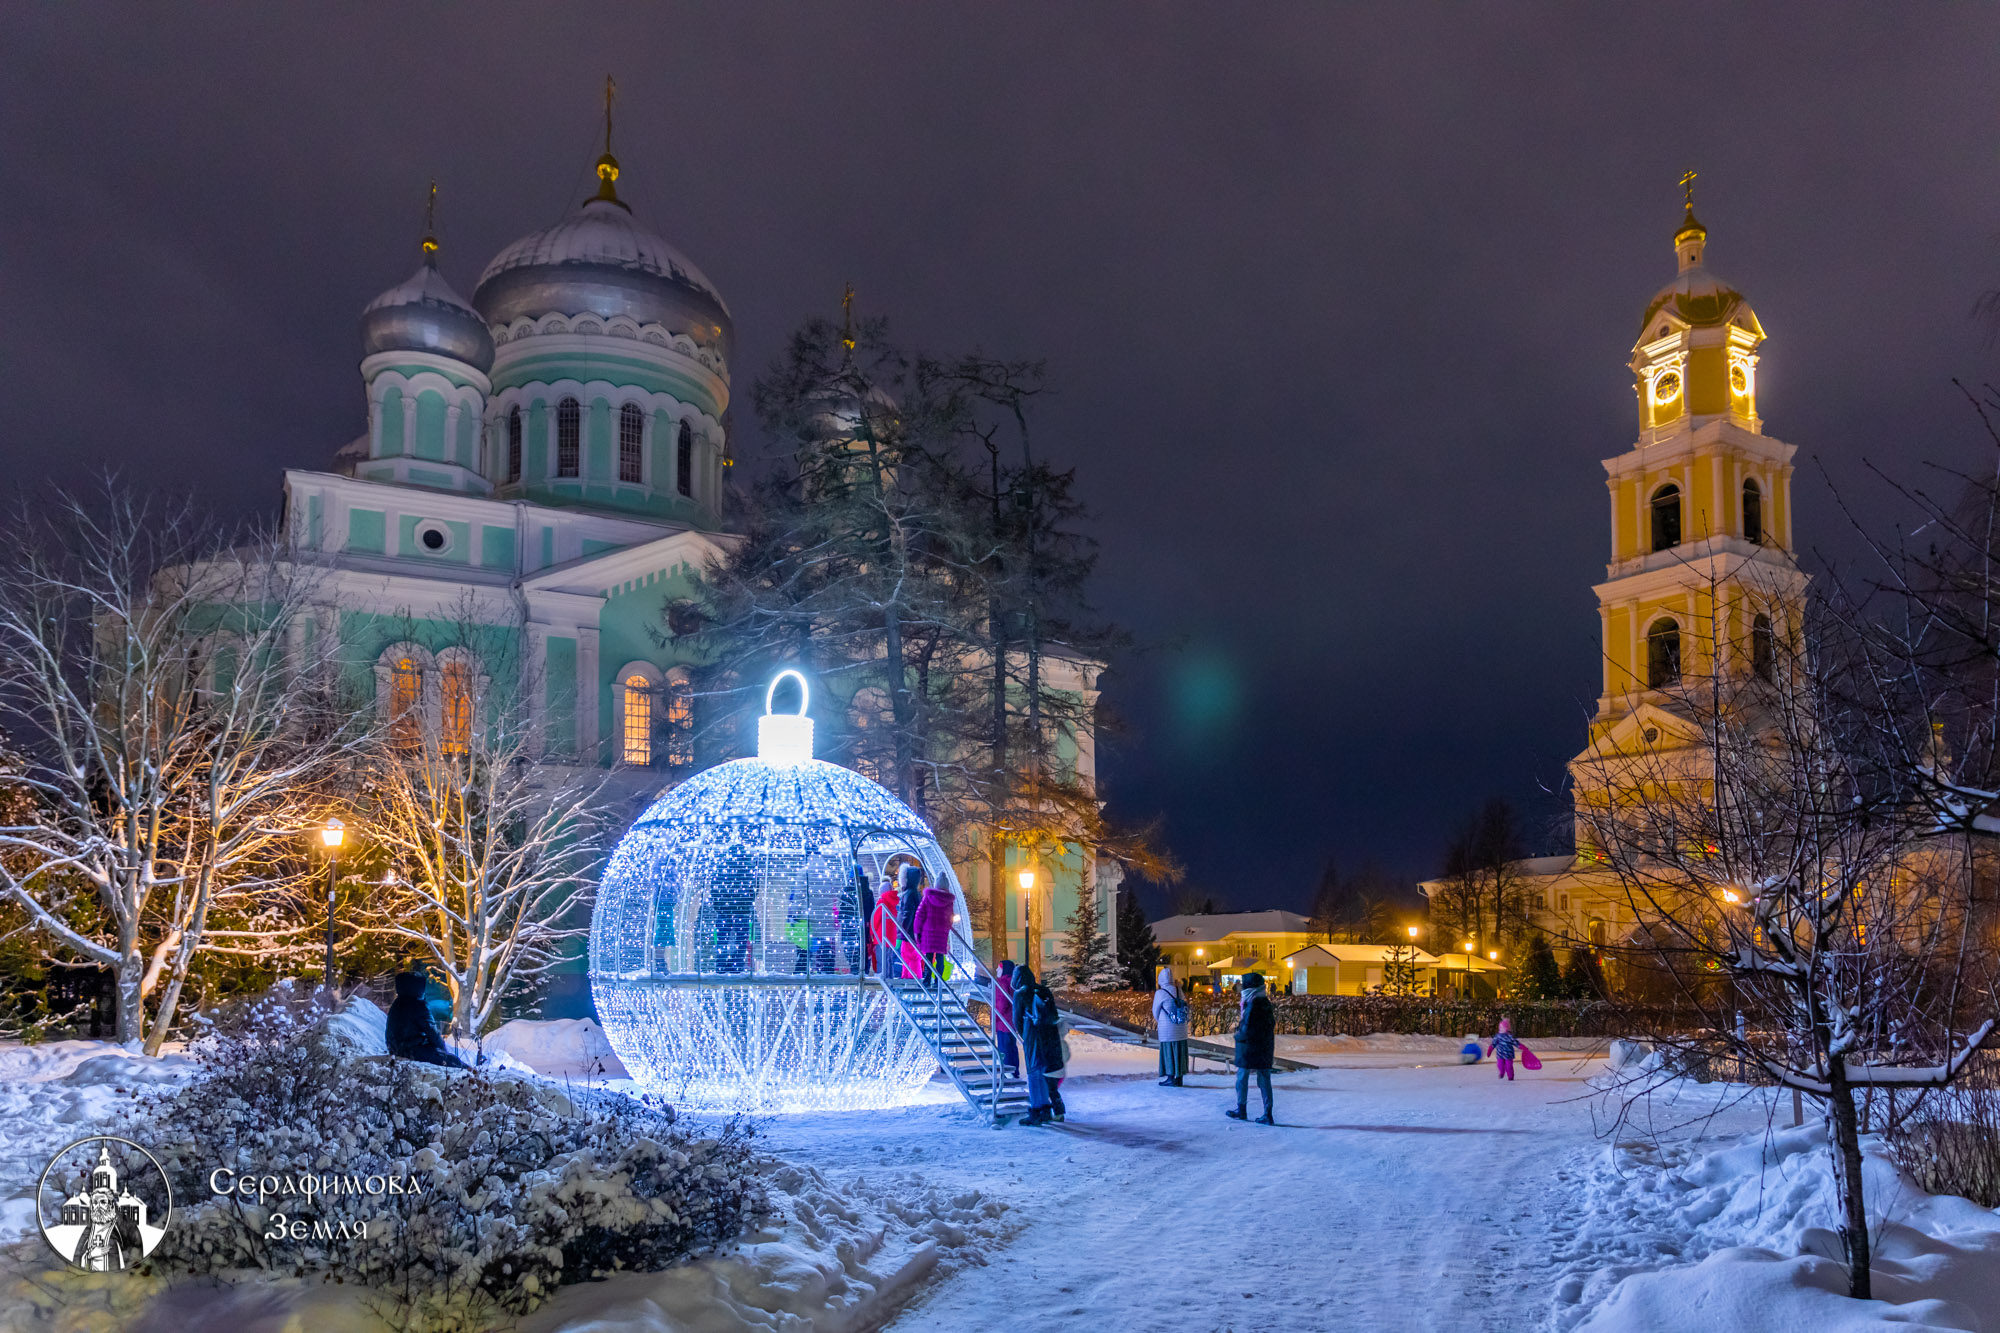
pixel 1666 518
pixel 456 689
pixel 569 435
pixel 684 461
pixel 406 724
pixel 680 726
pixel 1663 654
pixel 514 445
pixel 1753 513
pixel 631 428
pixel 1763 648
pixel 638 732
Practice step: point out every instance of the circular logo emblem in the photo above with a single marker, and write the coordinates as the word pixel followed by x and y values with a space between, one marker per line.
pixel 103 1204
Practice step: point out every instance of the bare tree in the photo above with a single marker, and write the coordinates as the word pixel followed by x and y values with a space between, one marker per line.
pixel 167 697
pixel 1789 885
pixel 489 852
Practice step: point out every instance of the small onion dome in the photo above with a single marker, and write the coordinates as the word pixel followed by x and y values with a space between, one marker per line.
pixel 1690 228
pixel 601 261
pixel 424 314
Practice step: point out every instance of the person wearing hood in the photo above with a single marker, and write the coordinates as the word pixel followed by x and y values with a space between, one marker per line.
pixel 1041 1046
pixel 909 897
pixel 933 930
pixel 411 1033
pixel 882 934
pixel 1505 1046
pixel 1256 1043
pixel 1170 1021
pixel 1003 1018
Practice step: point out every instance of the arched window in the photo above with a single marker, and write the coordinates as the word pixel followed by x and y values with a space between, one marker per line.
pixel 1666 518
pixel 631 429
pixel 1763 648
pixel 456 689
pixel 569 437
pixel 1663 654
pixel 684 461
pixel 1753 513
pixel 636 734
pixel 514 445
pixel 406 716
pixel 679 719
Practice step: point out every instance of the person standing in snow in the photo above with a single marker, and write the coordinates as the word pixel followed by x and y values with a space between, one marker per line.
pixel 1256 1044
pixel 882 935
pixel 1041 1046
pixel 1003 1018
pixel 1503 1048
pixel 1170 1021
pixel 933 930
pixel 909 897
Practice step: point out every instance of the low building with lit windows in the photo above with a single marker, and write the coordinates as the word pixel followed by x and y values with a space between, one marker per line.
pixel 1219 947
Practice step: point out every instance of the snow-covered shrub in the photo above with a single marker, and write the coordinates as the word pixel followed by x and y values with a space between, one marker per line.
pixel 510 1187
pixel 1951 1143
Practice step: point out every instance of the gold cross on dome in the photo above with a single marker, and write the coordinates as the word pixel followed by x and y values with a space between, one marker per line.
pixel 1687 184
pixel 610 93
pixel 430 221
pixel 847 316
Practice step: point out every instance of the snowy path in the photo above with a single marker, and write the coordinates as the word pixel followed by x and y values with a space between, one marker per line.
pixel 1392 1195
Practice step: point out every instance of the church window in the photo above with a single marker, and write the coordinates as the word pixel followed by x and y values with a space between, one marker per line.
pixel 684 461
pixel 406 722
pixel 631 428
pixel 637 745
pixel 1763 648
pixel 514 445
pixel 679 719
pixel 1663 654
pixel 569 433
pixel 1666 517
pixel 1753 513
pixel 456 697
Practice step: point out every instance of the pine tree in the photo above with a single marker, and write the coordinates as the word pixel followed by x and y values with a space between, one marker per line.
pixel 1090 965
pixel 1583 979
pixel 1139 956
pixel 1399 968
pixel 1541 975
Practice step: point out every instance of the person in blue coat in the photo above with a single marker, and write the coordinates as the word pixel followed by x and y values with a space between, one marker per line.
pixel 1256 1044
pixel 1041 1046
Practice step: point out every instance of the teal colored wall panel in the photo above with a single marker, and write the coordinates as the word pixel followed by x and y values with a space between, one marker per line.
pixel 423 476
pixel 496 547
pixel 430 426
pixel 365 530
pixel 392 423
pixel 467 450
pixel 536 448
pixel 591 546
pixel 562 694
pixel 597 452
pixel 548 547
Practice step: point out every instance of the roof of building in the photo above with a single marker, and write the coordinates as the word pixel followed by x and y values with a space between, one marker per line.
pixel 1356 953
pixel 1198 927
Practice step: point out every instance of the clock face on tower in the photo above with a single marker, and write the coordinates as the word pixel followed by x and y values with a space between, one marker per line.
pixel 1667 387
pixel 1739 380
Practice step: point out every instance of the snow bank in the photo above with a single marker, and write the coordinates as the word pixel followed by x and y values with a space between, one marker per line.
pixel 557 1048
pixel 1739 1234
pixel 56 1092
pixel 834 1259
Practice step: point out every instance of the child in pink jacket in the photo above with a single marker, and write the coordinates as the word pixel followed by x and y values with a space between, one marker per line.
pixel 1503 1048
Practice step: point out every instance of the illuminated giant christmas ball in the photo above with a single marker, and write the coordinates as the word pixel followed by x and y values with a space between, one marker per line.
pixel 725 948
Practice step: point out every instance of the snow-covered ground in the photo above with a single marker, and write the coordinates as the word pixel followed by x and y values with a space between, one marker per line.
pixel 1401 1189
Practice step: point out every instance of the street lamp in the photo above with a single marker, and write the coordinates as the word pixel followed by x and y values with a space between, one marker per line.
pixel 330 837
pixel 1029 935
pixel 1465 991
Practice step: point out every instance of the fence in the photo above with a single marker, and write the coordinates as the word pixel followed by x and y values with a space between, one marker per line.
pixel 1357 1015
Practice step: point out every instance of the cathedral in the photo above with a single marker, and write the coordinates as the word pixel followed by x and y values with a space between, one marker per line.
pixel 1702 576
pixel 542 478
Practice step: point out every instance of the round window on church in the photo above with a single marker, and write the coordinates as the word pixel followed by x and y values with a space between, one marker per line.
pixel 434 537
pixel 1667 387
pixel 1739 380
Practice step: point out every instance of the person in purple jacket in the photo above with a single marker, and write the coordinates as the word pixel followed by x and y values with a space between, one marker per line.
pixel 933 930
pixel 1004 1030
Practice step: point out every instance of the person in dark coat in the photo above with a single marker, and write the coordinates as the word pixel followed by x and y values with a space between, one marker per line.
pixel 1004 1028
pixel 864 914
pixel 1041 1046
pixel 411 1034
pixel 1256 1043
pixel 909 897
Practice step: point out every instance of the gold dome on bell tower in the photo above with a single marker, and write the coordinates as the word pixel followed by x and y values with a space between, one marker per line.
pixel 1696 357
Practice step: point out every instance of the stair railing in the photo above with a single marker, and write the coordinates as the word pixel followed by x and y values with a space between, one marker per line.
pixel 890 945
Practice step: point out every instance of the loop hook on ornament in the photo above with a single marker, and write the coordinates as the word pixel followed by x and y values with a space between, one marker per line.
pixel 771 693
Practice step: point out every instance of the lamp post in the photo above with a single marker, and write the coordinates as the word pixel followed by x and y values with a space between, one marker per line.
pixel 331 837
pixel 1465 987
pixel 1406 983
pixel 1028 932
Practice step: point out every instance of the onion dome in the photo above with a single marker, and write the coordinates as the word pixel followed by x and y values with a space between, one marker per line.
pixel 1696 297
pixel 423 314
pixel 602 261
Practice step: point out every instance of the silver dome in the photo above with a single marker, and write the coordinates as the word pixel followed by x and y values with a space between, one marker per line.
pixel 602 262
pixel 425 315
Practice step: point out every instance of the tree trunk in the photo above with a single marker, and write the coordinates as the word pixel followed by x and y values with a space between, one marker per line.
pixel 1845 1133
pixel 164 1017
pixel 131 1004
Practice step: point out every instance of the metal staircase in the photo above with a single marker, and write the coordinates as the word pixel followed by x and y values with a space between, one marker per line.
pixel 941 1011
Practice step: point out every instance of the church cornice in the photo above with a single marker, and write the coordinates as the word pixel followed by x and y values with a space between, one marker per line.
pixel 1702 439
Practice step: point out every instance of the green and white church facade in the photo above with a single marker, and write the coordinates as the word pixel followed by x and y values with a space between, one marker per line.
pixel 542 477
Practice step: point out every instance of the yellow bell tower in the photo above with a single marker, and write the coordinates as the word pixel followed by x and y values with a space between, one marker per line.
pixel 1702 577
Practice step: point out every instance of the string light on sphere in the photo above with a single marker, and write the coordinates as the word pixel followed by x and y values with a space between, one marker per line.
pixel 726 943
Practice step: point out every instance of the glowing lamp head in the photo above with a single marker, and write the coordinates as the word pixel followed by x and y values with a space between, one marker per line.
pixel 1027 879
pixel 1494 955
pixel 1413 932
pixel 1468 946
pixel 333 834
pixel 1201 953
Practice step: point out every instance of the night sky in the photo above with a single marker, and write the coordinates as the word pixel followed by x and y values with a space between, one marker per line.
pixel 1337 300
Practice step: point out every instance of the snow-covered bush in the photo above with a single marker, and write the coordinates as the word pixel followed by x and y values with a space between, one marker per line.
pixel 1951 1144
pixel 509 1187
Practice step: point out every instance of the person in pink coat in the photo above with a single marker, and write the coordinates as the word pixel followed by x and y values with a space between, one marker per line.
pixel 933 929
